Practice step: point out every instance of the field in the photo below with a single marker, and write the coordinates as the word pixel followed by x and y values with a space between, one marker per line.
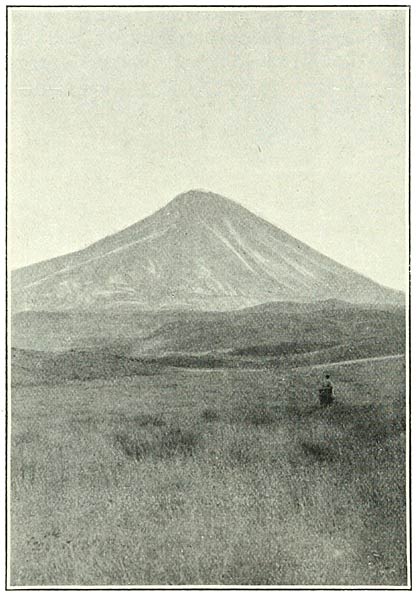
pixel 211 477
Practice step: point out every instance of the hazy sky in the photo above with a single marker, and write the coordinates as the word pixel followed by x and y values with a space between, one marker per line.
pixel 298 115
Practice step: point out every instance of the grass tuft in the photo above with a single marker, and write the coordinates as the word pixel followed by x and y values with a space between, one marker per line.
pixel 210 415
pixel 160 445
pixel 146 419
pixel 318 452
pixel 255 415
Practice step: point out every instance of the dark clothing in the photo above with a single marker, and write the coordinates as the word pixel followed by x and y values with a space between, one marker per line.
pixel 326 393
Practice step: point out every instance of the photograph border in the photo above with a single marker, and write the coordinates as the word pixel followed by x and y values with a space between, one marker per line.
pixel 272 7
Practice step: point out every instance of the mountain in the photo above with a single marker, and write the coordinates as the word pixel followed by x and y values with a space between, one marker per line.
pixel 201 251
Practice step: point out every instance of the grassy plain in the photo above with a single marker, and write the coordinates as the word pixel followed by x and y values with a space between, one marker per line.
pixel 211 477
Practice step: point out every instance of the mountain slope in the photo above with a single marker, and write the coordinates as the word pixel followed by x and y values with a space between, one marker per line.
pixel 201 251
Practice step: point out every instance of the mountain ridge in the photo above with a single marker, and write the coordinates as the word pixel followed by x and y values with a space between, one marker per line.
pixel 201 251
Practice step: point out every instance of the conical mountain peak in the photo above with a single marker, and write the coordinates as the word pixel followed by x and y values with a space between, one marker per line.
pixel 200 251
pixel 198 195
pixel 193 193
pixel 197 206
pixel 201 199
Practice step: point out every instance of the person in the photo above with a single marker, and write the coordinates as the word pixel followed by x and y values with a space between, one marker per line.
pixel 326 391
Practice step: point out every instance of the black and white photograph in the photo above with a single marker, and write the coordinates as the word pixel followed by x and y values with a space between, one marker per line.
pixel 208 297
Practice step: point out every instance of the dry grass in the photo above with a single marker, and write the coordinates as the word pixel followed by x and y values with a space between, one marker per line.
pixel 225 477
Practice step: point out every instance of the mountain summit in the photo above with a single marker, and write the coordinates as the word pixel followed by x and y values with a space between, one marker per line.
pixel 200 251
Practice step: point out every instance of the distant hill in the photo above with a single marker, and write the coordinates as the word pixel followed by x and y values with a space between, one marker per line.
pixel 202 252
pixel 54 347
pixel 271 328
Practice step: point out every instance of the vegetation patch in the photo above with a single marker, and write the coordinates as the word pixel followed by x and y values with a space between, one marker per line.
pixel 210 415
pixel 258 415
pixel 318 452
pixel 284 348
pixel 291 495
pixel 147 419
pixel 162 444
pixel 240 454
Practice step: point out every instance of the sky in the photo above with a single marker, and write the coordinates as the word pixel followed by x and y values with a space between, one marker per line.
pixel 298 115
